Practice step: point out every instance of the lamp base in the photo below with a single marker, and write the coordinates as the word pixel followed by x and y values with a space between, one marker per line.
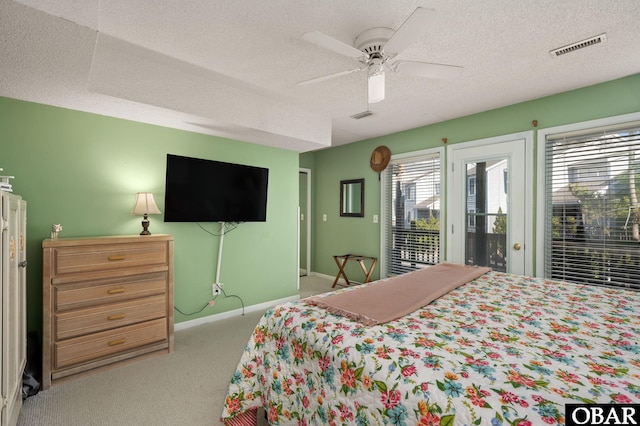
pixel 145 226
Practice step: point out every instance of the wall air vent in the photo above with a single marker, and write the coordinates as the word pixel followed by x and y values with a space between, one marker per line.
pixel 360 115
pixel 579 45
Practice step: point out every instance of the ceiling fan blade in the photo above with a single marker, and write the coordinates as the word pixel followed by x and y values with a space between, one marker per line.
pixel 330 43
pixel 329 76
pixel 412 30
pixel 424 69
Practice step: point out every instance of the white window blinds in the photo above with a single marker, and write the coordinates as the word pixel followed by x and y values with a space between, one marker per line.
pixel 412 207
pixel 591 222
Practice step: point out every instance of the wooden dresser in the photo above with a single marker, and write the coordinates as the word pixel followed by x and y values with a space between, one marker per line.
pixel 107 301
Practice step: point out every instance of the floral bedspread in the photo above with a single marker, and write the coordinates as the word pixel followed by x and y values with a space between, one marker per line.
pixel 500 350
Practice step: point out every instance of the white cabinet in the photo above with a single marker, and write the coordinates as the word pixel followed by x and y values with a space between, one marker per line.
pixel 13 333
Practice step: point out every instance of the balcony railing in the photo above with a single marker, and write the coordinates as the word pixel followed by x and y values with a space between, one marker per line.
pixel 601 262
pixel 414 249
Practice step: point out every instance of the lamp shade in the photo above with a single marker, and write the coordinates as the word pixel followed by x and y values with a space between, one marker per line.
pixel 145 204
pixel 375 82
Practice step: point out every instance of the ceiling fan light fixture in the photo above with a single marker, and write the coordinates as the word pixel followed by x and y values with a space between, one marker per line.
pixel 376 50
pixel 375 83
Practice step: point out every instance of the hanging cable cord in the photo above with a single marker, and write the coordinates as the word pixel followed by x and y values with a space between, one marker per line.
pixel 194 312
pixel 211 303
pixel 228 227
pixel 233 295
pixel 224 229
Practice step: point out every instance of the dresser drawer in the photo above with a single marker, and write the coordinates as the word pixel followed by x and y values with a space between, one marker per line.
pixel 90 320
pixel 98 292
pixel 87 348
pixel 71 260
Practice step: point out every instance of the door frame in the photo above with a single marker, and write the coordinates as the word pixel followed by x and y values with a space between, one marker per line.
pixel 527 138
pixel 307 230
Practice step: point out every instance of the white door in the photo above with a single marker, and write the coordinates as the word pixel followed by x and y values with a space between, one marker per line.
pixel 490 193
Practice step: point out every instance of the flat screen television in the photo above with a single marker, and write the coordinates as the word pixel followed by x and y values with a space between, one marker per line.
pixel 199 190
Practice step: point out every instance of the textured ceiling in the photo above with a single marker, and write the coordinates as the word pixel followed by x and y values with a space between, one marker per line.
pixel 230 67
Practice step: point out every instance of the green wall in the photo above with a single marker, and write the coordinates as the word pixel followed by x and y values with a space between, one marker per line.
pixel 82 170
pixel 340 235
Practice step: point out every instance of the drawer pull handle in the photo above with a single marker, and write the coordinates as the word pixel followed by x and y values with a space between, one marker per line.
pixel 116 317
pixel 116 290
pixel 116 342
pixel 112 258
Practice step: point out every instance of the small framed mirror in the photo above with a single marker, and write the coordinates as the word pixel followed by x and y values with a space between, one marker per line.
pixel 352 198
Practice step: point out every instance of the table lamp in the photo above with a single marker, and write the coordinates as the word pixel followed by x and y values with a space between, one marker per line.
pixel 145 205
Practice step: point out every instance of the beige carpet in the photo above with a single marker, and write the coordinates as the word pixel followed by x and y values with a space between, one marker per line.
pixel 186 387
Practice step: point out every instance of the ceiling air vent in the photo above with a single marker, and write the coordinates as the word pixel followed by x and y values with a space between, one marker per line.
pixel 579 45
pixel 360 115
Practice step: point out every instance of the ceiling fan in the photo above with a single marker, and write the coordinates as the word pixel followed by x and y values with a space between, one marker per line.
pixel 375 48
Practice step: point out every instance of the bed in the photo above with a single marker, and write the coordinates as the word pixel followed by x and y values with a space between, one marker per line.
pixel 500 349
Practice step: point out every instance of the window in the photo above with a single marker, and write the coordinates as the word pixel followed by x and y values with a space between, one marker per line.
pixel 592 231
pixel 505 177
pixel 410 191
pixel 411 206
pixel 594 171
pixel 471 185
pixel 471 218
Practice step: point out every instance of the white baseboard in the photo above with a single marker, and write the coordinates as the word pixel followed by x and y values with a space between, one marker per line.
pixel 229 314
pixel 341 281
pixel 237 312
pixel 329 277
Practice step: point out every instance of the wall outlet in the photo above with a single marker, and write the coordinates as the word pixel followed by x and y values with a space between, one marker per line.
pixel 216 289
